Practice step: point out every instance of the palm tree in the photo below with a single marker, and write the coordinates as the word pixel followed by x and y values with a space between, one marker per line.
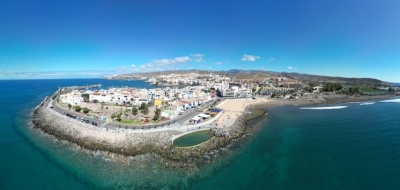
pixel 145 110
pixel 157 113
pixel 85 97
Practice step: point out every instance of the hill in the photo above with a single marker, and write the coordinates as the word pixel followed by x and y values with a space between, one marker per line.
pixel 259 75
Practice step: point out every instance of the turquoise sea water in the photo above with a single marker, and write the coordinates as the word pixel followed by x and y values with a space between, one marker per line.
pixel 356 147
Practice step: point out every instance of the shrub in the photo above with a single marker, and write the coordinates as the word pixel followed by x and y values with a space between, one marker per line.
pixel 142 106
pixel 330 87
pixel 78 108
pixel 134 111
pixel 86 110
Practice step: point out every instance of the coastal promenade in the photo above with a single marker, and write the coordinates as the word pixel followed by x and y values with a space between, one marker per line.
pixel 178 125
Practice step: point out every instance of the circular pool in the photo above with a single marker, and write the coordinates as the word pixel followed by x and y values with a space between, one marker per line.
pixel 193 139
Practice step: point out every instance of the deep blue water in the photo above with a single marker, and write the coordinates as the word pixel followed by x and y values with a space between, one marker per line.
pixel 357 147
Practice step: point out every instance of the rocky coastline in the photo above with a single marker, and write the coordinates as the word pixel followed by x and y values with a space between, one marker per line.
pixel 135 144
pixel 159 144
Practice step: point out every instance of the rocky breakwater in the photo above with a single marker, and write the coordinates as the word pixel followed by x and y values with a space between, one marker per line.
pixel 126 144
pixel 133 144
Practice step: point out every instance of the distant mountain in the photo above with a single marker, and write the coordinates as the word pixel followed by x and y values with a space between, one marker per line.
pixel 260 75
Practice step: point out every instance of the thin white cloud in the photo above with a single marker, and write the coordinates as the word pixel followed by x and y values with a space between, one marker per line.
pixel 291 68
pixel 218 63
pixel 271 59
pixel 198 57
pixel 247 57
pixel 133 66
pixel 163 64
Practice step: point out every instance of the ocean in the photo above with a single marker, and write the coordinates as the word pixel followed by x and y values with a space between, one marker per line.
pixel 355 146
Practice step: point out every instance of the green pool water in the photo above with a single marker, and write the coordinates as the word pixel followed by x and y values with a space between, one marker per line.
pixel 193 139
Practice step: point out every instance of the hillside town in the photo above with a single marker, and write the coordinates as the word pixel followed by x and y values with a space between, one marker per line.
pixel 183 91
pixel 175 93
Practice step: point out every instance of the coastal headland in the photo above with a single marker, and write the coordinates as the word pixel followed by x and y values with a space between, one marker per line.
pixel 134 143
pixel 230 126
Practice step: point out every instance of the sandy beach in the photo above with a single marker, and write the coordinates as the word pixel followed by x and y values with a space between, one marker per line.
pixel 233 108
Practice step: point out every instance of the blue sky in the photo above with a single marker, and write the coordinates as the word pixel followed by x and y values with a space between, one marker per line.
pixel 76 39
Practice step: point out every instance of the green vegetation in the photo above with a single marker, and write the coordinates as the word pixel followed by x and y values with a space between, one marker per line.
pixel 308 89
pixel 142 106
pixel 371 89
pixel 275 95
pixel 362 90
pixel 355 90
pixel 145 110
pixel 157 113
pixel 129 121
pixel 126 112
pixel 85 110
pixel 78 108
pixel 134 111
pixel 330 87
pixel 85 97
pixel 69 106
pixel 119 117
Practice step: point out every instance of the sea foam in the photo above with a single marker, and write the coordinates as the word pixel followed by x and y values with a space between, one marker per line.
pixel 394 100
pixel 324 108
pixel 367 103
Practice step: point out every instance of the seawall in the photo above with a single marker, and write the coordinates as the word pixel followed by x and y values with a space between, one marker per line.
pixel 131 144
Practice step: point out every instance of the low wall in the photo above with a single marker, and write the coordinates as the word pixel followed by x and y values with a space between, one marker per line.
pixel 183 134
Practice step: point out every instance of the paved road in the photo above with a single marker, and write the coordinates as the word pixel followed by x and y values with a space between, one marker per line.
pixel 179 120
pixel 62 110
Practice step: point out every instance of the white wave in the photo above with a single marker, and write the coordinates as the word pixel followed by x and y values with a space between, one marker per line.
pixel 367 103
pixel 394 100
pixel 324 108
